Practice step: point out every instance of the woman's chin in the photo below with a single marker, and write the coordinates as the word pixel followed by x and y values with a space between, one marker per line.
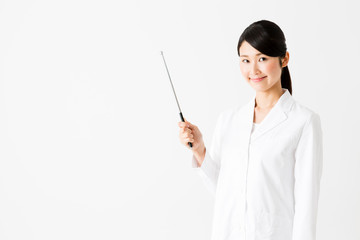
pixel 258 87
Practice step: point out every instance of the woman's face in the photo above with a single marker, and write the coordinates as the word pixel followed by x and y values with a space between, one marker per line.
pixel 262 72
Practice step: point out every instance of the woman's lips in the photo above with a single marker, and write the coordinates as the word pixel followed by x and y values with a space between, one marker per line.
pixel 257 79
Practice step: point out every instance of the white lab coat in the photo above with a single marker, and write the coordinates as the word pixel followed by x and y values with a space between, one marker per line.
pixel 266 184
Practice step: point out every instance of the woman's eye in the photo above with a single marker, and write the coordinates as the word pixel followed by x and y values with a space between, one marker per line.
pixel 248 61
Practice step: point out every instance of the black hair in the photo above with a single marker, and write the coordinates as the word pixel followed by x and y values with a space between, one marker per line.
pixel 269 39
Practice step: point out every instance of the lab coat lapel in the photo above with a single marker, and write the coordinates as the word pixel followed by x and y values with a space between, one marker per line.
pixel 277 115
pixel 243 125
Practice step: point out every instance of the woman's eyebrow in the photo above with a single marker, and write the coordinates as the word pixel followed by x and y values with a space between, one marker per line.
pixel 248 56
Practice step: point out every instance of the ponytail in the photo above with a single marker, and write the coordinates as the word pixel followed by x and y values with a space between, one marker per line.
pixel 286 79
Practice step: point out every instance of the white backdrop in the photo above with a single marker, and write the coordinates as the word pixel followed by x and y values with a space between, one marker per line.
pixel 89 144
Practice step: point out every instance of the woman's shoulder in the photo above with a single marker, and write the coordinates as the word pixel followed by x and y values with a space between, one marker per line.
pixel 303 111
pixel 304 115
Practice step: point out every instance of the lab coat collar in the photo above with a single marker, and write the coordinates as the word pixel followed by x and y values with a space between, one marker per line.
pixel 277 115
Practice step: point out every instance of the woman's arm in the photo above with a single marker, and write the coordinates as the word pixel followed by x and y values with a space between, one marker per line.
pixel 209 166
pixel 308 171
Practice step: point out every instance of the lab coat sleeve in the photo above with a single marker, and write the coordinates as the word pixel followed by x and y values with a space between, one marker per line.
pixel 210 167
pixel 307 171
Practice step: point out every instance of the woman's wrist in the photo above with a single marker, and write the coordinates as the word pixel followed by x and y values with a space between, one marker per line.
pixel 200 155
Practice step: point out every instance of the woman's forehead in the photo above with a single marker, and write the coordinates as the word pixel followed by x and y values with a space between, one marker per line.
pixel 247 50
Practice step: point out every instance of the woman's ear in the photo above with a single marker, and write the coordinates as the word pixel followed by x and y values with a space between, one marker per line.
pixel 285 60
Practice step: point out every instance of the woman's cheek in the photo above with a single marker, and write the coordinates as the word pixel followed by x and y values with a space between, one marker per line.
pixel 244 73
pixel 271 68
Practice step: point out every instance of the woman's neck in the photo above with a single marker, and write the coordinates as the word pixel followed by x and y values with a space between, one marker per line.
pixel 266 100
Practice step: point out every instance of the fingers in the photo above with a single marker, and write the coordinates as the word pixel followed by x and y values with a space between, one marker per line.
pixel 189 136
pixel 187 124
pixel 187 133
pixel 188 139
pixel 186 130
pixel 186 136
pixel 183 124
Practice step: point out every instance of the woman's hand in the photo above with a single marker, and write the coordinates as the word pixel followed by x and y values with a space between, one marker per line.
pixel 191 133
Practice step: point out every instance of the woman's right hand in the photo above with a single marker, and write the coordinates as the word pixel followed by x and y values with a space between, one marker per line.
pixel 191 133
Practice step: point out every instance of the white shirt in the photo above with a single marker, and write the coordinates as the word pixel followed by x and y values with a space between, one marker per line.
pixel 255 125
pixel 266 182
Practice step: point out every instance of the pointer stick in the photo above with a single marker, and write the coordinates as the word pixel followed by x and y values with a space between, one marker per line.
pixel 181 116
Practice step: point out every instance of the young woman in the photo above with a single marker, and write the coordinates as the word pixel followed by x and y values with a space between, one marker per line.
pixel 265 161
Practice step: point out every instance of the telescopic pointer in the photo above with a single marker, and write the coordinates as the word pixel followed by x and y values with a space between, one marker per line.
pixel 181 116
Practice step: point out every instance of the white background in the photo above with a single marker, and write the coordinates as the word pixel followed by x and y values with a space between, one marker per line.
pixel 89 144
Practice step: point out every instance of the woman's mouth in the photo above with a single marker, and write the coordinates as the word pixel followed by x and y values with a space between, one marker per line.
pixel 257 79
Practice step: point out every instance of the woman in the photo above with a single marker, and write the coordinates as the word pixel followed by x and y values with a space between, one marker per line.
pixel 265 161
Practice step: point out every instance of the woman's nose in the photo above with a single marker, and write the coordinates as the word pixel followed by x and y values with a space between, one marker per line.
pixel 254 70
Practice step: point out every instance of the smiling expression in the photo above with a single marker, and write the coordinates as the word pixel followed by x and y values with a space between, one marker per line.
pixel 262 72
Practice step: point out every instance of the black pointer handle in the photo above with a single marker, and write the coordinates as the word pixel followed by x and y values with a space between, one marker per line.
pixel 182 119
